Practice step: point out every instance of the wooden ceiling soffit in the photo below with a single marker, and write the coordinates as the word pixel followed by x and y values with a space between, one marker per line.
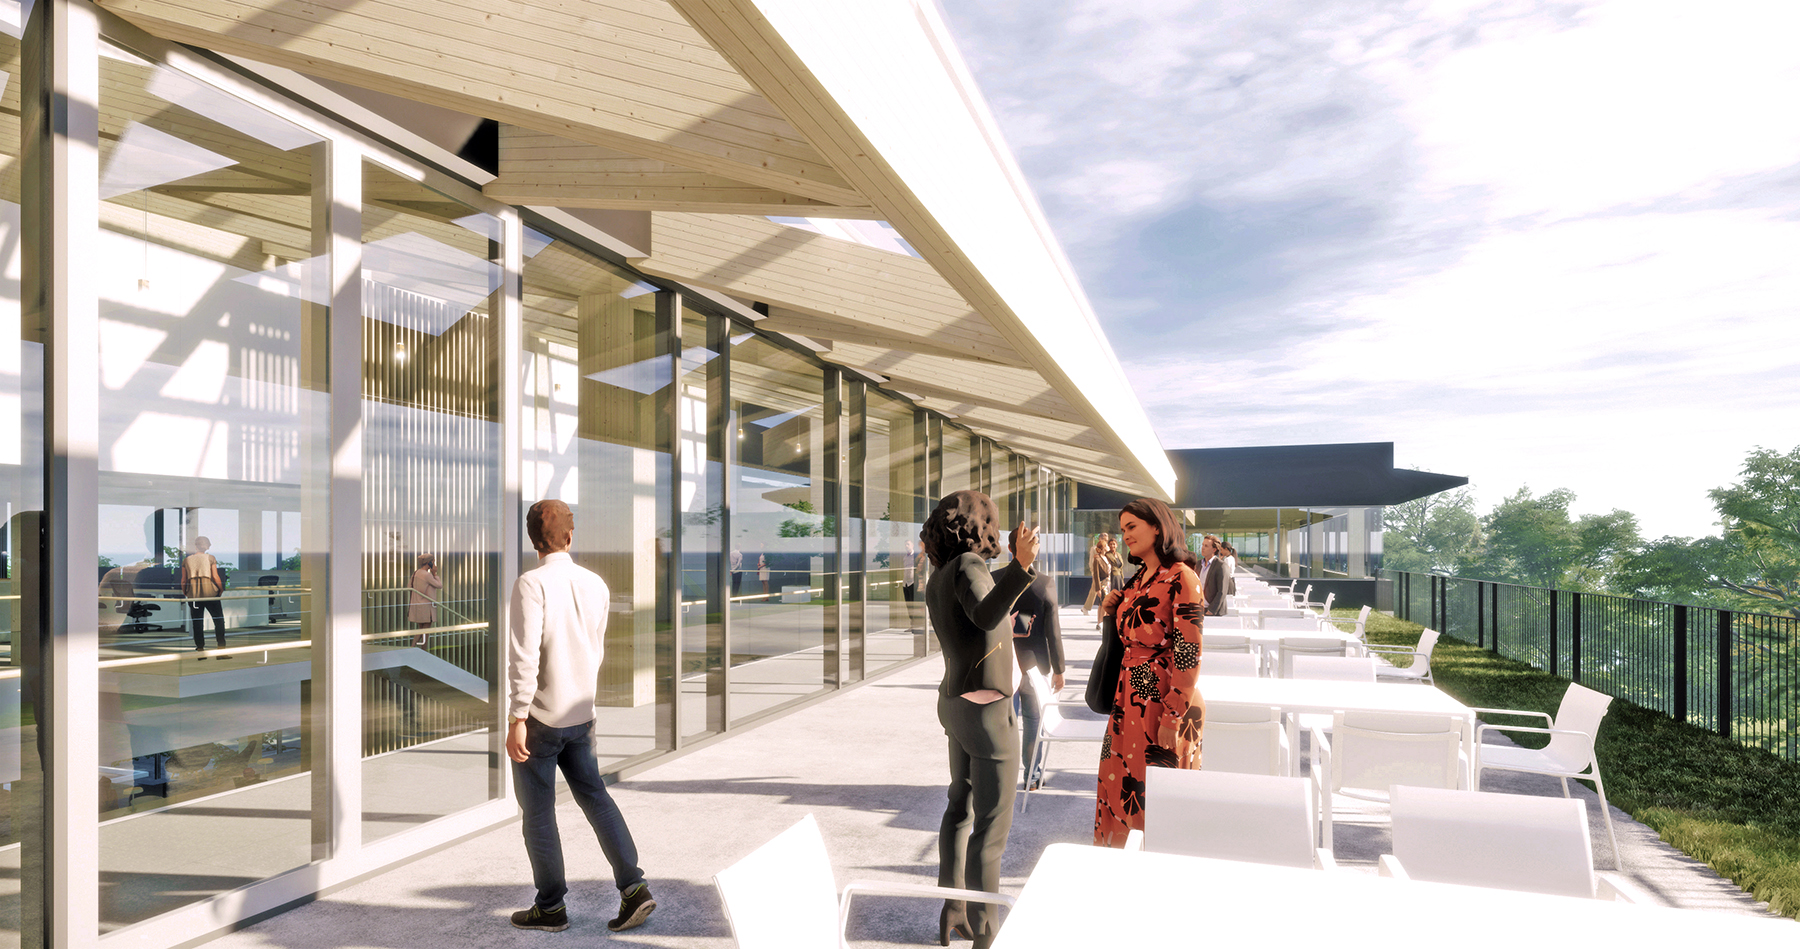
pixel 958 380
pixel 537 168
pixel 629 75
pixel 893 295
pixel 747 36
pixel 1075 434
pixel 826 329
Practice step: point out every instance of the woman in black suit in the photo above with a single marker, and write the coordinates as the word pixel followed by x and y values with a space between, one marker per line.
pixel 969 608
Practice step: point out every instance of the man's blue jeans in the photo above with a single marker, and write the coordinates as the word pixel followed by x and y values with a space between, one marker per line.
pixel 572 750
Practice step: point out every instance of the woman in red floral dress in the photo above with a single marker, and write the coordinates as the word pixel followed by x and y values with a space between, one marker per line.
pixel 1157 711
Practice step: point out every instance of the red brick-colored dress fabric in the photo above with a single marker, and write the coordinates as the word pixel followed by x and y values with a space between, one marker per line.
pixel 1159 622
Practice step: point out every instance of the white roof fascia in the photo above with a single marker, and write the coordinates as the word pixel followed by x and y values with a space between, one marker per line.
pixel 920 109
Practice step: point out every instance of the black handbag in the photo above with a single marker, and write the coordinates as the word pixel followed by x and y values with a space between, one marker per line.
pixel 1103 678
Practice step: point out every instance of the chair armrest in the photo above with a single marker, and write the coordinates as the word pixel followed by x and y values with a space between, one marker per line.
pixel 1323 860
pixel 1134 840
pixel 1610 887
pixel 1511 711
pixel 1398 650
pixel 1528 729
pixel 1388 865
pixel 896 888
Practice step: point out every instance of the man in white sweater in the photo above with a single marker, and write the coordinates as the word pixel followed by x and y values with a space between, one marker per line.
pixel 555 634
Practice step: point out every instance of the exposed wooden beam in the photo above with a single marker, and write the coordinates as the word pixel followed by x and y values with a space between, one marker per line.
pixel 540 169
pixel 630 75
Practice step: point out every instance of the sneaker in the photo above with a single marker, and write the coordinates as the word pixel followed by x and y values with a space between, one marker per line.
pixel 633 909
pixel 550 921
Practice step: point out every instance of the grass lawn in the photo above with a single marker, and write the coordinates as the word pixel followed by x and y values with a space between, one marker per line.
pixel 1735 808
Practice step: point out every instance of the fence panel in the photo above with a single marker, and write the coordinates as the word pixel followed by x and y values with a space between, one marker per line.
pixel 1741 670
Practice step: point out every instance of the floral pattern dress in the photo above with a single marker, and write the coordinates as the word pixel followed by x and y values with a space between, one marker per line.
pixel 1159 622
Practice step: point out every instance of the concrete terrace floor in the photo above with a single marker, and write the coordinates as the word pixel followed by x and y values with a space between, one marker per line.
pixel 870 765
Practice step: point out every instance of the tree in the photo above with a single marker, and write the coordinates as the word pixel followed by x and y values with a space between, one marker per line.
pixel 1533 540
pixel 1433 533
pixel 1761 517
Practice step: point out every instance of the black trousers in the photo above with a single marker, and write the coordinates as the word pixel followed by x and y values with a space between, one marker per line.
pixel 197 610
pixel 984 778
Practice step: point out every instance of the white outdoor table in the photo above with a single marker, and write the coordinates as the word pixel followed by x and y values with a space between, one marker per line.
pixel 1096 896
pixel 1270 639
pixel 1333 695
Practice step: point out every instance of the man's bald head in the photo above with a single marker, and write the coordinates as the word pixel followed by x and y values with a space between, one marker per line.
pixel 550 525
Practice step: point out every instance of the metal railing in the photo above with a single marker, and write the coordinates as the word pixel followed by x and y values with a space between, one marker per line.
pixel 1733 673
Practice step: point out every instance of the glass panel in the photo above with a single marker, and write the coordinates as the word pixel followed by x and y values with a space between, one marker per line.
pixel 852 580
pixel 959 473
pixel 596 372
pixel 431 279
pixel 779 522
pixel 212 418
pixel 702 506
pixel 895 485
pixel 21 491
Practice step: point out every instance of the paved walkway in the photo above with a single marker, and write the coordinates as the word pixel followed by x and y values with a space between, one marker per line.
pixel 870 765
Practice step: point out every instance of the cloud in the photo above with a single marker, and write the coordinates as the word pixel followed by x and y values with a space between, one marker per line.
pixel 1544 243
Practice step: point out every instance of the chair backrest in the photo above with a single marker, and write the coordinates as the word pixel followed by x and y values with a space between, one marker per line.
pixel 1307 596
pixel 1284 612
pixel 1049 713
pixel 1326 609
pixel 1290 646
pixel 783 893
pixel 1510 841
pixel 1224 642
pixel 1228 816
pixel 1223 622
pixel 1227 664
pixel 158 579
pixel 1346 668
pixel 269 580
pixel 1362 620
pixel 1581 710
pixel 1296 623
pixel 1375 750
pixel 1427 642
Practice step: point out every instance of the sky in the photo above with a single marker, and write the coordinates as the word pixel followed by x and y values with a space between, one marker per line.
pixel 1544 245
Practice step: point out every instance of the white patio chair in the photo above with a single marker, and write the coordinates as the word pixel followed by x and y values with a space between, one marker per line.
pixel 1507 841
pixel 1370 752
pixel 1294 624
pixel 1341 668
pixel 1303 599
pixel 1324 608
pixel 1290 646
pixel 1419 671
pixel 1053 727
pixel 1229 664
pixel 1246 739
pixel 1361 621
pixel 783 896
pixel 1225 642
pixel 1256 818
pixel 1570 753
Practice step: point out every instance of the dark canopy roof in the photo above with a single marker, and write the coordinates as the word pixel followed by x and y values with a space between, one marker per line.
pixel 1353 475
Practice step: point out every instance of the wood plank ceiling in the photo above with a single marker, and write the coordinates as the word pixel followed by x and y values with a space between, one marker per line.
pixel 687 109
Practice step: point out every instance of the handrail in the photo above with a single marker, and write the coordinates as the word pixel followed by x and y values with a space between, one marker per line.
pixel 267 647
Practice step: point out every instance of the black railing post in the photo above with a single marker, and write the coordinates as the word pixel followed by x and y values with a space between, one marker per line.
pixel 1681 671
pixel 1553 632
pixel 1480 619
pixel 1725 673
pixel 1575 637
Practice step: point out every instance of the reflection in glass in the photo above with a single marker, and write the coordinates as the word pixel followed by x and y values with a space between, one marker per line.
pixel 596 370
pixel 701 509
pixel 431 277
pixel 212 429
pixel 780 524
pixel 896 504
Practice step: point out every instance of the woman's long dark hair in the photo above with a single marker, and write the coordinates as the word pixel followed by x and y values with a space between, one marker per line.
pixel 1171 540
pixel 963 522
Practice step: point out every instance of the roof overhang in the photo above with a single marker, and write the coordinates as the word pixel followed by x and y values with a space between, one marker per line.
pixel 711 114
pixel 1289 476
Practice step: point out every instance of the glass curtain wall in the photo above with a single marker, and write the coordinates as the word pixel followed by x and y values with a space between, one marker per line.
pixel 21 491
pixel 893 500
pixel 211 487
pixel 596 378
pixel 702 516
pixel 959 472
pixel 783 527
pixel 431 282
